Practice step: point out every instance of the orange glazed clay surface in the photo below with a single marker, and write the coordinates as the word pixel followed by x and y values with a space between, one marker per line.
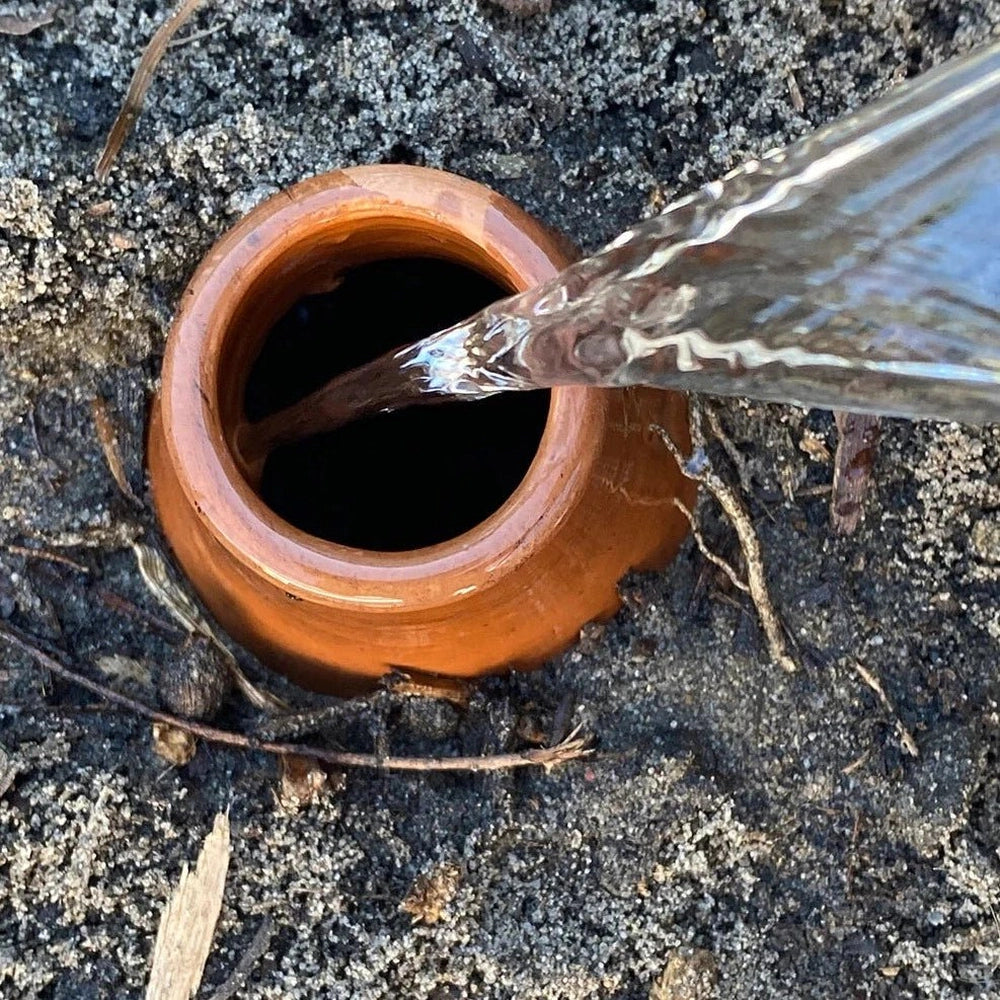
pixel 596 501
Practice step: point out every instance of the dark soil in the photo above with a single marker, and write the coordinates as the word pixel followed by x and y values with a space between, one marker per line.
pixel 772 821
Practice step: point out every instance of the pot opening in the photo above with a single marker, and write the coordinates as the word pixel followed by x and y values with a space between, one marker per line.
pixel 395 481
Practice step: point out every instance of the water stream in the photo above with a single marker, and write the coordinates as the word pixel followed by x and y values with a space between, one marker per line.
pixel 857 269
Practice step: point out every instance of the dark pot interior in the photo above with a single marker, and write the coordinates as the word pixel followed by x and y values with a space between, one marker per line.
pixel 394 481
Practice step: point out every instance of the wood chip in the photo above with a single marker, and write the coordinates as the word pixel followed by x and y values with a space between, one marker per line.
pixel 814 446
pixel 99 209
pixel 11 24
pixel 141 79
pixel 8 772
pixel 794 93
pixel 119 241
pixel 187 925
pixel 175 746
pixel 431 893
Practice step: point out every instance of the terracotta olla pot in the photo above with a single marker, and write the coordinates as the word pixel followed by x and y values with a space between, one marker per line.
pixel 510 590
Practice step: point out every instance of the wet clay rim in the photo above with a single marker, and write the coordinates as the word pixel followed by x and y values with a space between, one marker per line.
pixel 388 210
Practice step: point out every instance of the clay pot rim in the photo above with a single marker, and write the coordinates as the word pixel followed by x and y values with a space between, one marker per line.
pixel 521 253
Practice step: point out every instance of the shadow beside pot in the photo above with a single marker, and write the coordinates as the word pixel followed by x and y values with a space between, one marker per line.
pixel 537 558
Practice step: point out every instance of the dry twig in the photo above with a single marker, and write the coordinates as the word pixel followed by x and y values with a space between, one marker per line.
pixel 194 36
pixel 852 854
pixel 734 453
pixel 905 738
pixel 856 763
pixel 56 557
pixel 451 689
pixel 573 747
pixel 697 467
pixel 11 24
pixel 525 8
pixel 125 607
pixel 256 950
pixel 141 79
pixel 187 925
pixel 852 468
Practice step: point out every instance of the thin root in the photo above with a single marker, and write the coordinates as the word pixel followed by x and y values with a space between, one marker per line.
pixel 707 552
pixel 906 739
pixel 573 747
pixel 733 508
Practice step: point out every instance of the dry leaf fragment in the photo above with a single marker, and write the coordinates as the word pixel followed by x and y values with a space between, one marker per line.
pixel 187 925
pixel 302 781
pixel 11 24
pixel 814 446
pixel 141 79
pixel 175 746
pixel 691 974
pixel 431 893
pixel 157 577
pixel 125 669
pixel 108 437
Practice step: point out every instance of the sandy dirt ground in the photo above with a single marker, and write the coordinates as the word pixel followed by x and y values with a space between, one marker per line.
pixel 769 831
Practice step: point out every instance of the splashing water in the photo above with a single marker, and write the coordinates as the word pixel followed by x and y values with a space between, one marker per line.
pixel 856 269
